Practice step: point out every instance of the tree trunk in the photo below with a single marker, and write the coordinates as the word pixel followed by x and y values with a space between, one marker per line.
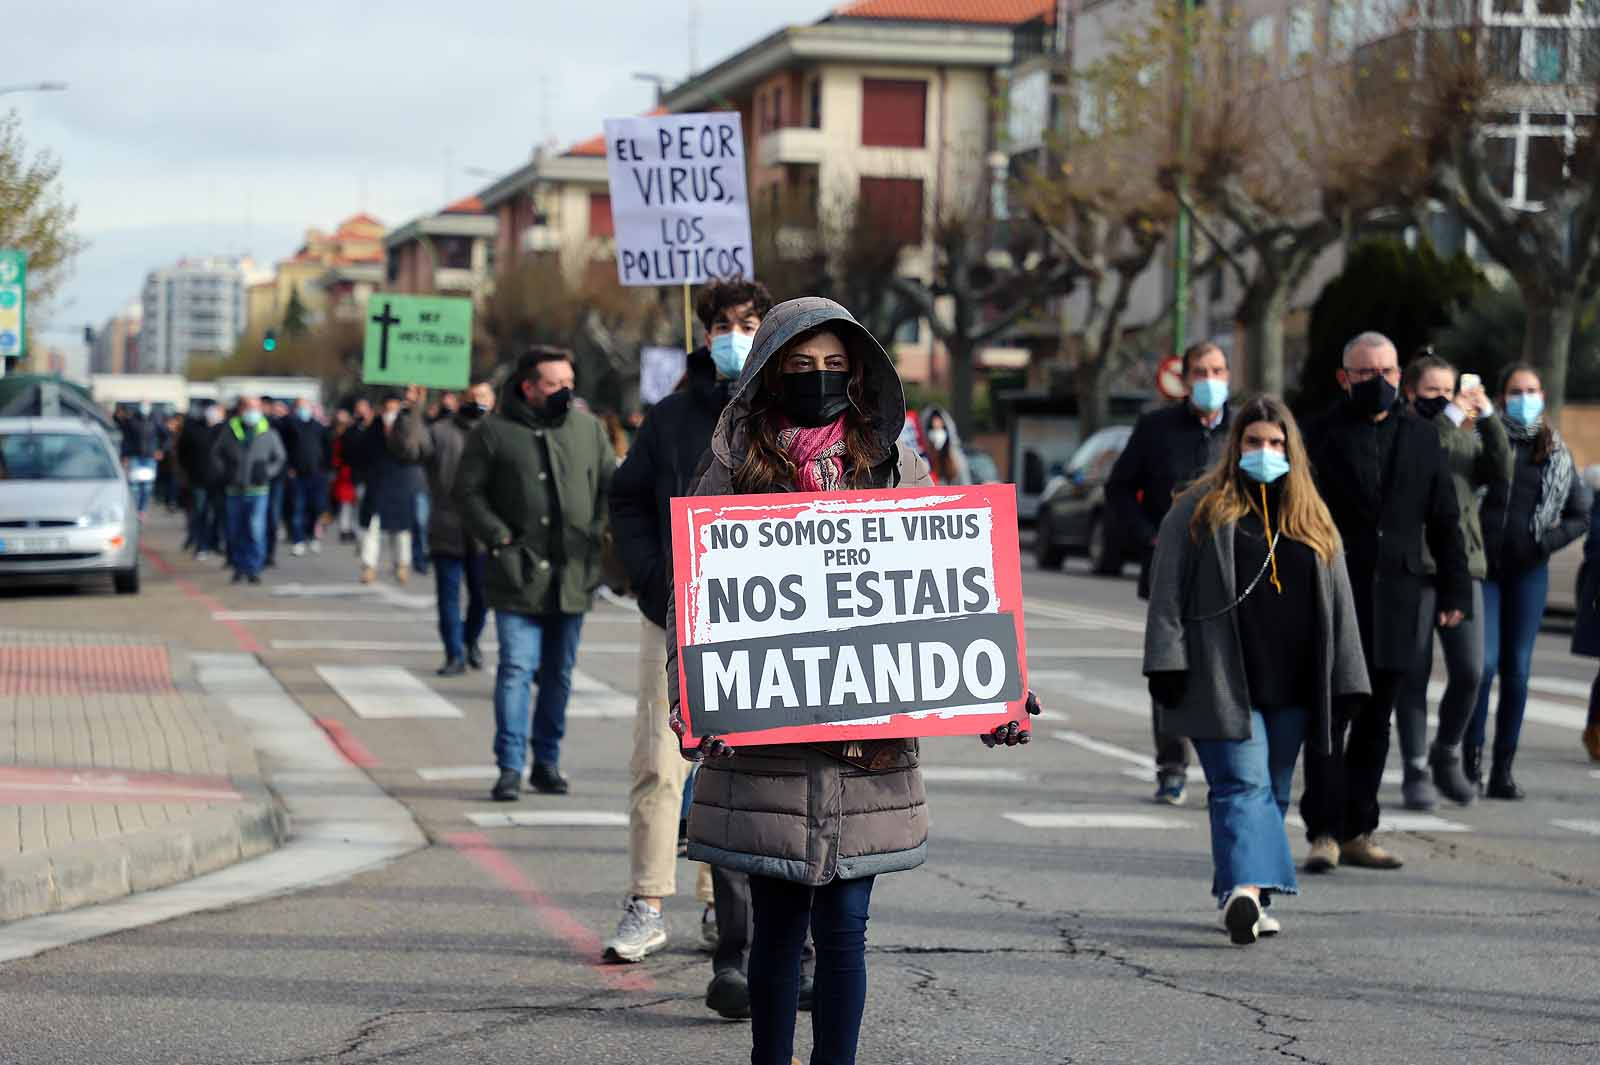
pixel 1262 318
pixel 1548 341
pixel 1092 383
pixel 962 353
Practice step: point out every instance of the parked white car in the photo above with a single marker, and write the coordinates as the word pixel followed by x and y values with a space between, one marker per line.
pixel 65 507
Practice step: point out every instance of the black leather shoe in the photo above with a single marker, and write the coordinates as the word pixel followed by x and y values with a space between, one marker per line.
pixel 508 788
pixel 474 656
pixel 1501 786
pixel 547 780
pixel 729 995
pixel 453 667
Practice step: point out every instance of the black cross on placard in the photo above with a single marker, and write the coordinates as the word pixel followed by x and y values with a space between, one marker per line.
pixel 386 320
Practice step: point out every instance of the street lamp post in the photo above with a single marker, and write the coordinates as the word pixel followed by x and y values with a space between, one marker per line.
pixel 1180 236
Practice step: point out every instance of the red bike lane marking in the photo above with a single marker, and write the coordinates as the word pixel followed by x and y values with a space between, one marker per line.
pixel 578 937
pixel 31 787
pixel 355 752
pixel 241 635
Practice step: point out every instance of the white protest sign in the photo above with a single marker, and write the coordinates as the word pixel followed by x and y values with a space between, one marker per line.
pixel 660 370
pixel 678 198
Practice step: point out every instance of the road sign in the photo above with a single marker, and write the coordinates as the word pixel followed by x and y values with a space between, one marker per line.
pixel 13 304
pixel 1169 378
pixel 418 340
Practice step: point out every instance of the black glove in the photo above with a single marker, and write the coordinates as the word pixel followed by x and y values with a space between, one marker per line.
pixel 1011 734
pixel 710 748
pixel 1167 688
pixel 258 472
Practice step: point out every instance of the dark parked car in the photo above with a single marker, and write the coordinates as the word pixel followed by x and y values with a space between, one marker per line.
pixel 1073 516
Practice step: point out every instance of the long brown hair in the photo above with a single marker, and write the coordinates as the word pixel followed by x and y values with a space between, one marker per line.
pixel 1545 442
pixel 1224 496
pixel 766 464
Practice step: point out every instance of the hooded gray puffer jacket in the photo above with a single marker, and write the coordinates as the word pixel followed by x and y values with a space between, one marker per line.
pixel 805 813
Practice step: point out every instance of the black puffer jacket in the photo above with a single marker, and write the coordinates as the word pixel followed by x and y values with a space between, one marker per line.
pixel 309 444
pixel 662 464
pixel 1508 508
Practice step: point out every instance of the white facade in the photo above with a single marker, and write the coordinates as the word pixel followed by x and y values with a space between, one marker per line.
pixel 194 308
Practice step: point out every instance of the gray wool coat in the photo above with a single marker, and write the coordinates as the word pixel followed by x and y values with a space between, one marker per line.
pixel 806 813
pixel 1195 580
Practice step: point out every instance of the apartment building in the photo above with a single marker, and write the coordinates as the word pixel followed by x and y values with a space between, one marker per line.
pixel 116 343
pixel 559 203
pixel 448 253
pixel 355 247
pixel 194 308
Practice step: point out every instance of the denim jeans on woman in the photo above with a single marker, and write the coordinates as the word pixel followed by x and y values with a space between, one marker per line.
pixel 1250 782
pixel 449 570
pixel 1463 663
pixel 1513 610
pixel 836 915
pixel 542 646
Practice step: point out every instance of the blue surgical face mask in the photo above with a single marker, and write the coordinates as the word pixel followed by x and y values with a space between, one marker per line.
pixel 1209 395
pixel 303 413
pixel 250 417
pixel 1264 465
pixel 1525 409
pixel 728 352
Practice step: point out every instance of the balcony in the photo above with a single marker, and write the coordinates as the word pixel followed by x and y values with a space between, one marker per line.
pixel 794 144
pixel 539 239
pixel 447 279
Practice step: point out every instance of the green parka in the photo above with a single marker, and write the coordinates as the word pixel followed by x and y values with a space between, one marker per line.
pixel 1475 460
pixel 503 493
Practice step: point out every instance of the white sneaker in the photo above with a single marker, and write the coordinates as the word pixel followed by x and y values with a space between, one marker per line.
pixel 1269 925
pixel 298 550
pixel 641 932
pixel 1241 916
pixel 316 547
pixel 201 556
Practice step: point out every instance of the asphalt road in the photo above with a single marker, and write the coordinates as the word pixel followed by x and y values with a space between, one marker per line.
pixel 1061 917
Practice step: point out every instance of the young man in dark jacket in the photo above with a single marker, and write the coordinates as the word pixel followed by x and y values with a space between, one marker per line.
pixel 1170 447
pixel 247 457
pixel 310 448
pixel 194 459
pixel 1383 476
pixel 141 451
pixel 456 555
pixel 532 486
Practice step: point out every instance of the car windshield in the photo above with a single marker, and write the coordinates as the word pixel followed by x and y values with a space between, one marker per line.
pixel 55 457
pixel 982 468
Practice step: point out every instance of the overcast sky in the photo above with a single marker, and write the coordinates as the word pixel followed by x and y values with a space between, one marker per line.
pixel 195 127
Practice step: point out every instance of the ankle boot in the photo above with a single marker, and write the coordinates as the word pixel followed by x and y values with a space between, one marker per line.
pixel 1501 786
pixel 1448 776
pixel 1472 766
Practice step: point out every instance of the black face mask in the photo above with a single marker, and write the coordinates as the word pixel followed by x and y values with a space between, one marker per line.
pixel 815 397
pixel 1431 406
pixel 557 404
pixel 472 411
pixel 1372 397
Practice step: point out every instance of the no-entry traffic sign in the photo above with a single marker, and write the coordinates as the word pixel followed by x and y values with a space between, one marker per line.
pixel 418 340
pixel 1169 378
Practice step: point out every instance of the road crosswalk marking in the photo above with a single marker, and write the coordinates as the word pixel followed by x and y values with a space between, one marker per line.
pixel 955 774
pixel 1100 820
pixel 386 692
pixel 1081 618
pixel 555 819
pixel 1400 822
pixel 391 618
pixel 459 772
pixel 1587 827
pixel 600 647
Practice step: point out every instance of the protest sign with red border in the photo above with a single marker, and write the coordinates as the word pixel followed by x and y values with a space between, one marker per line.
pixel 825 617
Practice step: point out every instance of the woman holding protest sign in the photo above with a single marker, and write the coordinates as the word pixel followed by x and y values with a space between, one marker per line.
pixel 817 408
pixel 1250 641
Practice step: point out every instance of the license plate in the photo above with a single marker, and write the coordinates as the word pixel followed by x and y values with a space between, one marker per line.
pixel 33 545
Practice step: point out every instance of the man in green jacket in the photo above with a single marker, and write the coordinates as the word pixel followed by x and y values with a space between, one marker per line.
pixel 532 485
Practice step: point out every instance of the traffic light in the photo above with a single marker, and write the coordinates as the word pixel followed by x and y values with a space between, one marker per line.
pixel 269 342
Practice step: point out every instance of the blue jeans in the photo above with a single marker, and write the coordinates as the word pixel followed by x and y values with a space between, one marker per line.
pixel 836 915
pixel 1513 609
pixel 199 534
pixel 274 517
pixel 308 494
pixel 420 508
pixel 1250 782
pixel 542 646
pixel 247 533
pixel 447 573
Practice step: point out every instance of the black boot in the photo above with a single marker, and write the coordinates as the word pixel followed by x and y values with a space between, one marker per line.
pixel 508 788
pixel 1472 766
pixel 1448 777
pixel 453 667
pixel 1501 786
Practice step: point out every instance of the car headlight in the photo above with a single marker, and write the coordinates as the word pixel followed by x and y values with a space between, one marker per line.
pixel 105 514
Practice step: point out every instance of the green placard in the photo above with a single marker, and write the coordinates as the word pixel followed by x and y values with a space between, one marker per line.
pixel 418 340
pixel 13 305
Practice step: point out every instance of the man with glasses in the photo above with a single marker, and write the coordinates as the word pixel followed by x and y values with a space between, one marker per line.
pixel 1384 479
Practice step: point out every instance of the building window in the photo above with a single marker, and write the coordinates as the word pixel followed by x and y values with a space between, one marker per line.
pixel 452 253
pixel 1501 153
pixel 1549 57
pixel 1547 157
pixel 601 224
pixel 894 113
pixel 895 206
pixel 1262 32
pixel 1302 33
pixel 814 102
pixel 1505 53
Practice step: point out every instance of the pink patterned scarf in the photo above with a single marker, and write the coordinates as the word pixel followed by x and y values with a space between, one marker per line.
pixel 817 454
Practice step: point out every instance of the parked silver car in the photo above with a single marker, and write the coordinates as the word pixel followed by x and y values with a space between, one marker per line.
pixel 65 507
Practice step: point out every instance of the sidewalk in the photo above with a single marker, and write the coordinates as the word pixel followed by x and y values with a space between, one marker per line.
pixel 118 774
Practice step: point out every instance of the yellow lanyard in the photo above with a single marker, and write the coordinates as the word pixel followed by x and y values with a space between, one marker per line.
pixel 1266 524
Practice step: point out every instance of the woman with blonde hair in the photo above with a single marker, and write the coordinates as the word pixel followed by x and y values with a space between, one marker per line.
pixel 1251 639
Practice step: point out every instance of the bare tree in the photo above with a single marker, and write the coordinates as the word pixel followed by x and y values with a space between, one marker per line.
pixel 34 216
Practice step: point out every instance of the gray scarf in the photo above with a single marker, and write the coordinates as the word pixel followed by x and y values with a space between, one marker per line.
pixel 1556 478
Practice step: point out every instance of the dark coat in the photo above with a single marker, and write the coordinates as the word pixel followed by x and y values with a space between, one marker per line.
pixel 1586 630
pixel 1169 450
pixel 393 485
pixel 1383 531
pixel 309 445
pixel 141 437
pixel 503 490
pixel 244 461
pixel 662 463
pixel 1507 516
pixel 194 451
pixel 439 446
pixel 1197 580
pixel 803 813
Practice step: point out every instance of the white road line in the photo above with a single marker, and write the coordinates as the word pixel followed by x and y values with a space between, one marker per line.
pixel 1578 689
pixel 1088 619
pixel 394 596
pixel 954 774
pixel 568 819
pixel 340 822
pixel 1136 653
pixel 1122 698
pixel 1151 821
pixel 593 699
pixel 1591 828
pixel 385 692
pixel 459 772
pixel 1398 822
pixel 600 647
pixel 391 618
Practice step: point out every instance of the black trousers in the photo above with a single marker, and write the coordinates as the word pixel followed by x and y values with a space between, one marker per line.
pixel 1341 796
pixel 730 892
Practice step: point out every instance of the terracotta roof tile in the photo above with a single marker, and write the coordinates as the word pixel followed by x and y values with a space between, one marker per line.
pixel 466 205
pixel 994 12
pixel 595 147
